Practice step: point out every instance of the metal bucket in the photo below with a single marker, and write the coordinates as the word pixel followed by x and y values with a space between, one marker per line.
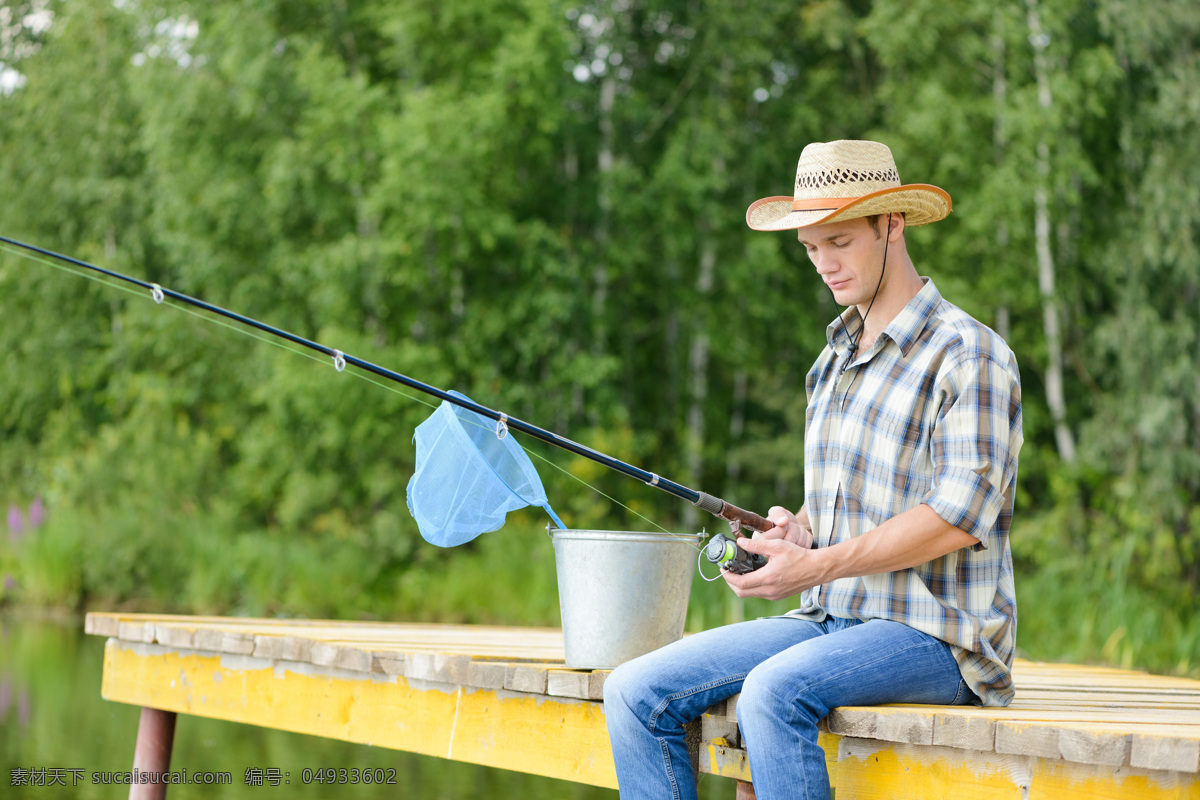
pixel 621 594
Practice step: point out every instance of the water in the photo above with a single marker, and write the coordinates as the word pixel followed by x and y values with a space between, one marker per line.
pixel 53 719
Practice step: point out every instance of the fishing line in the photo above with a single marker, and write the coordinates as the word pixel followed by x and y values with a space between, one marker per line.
pixel 120 287
pixel 159 297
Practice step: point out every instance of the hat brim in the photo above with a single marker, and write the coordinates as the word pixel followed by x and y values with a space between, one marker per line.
pixel 920 203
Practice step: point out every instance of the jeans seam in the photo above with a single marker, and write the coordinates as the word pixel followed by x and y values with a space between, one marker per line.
pixel 653 721
pixel 666 754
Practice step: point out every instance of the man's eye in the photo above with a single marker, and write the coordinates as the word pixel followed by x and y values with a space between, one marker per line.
pixel 840 245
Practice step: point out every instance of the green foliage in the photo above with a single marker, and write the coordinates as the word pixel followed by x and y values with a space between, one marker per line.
pixel 540 205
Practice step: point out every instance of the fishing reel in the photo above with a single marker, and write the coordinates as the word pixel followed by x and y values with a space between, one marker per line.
pixel 724 552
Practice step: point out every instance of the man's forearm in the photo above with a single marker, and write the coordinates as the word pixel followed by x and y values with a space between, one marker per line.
pixel 915 537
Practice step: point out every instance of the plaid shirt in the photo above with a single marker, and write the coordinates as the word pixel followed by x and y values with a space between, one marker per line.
pixel 931 414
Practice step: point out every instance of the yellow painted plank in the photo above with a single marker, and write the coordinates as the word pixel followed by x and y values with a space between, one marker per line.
pixel 875 771
pixel 563 739
pixel 869 770
pixel 730 762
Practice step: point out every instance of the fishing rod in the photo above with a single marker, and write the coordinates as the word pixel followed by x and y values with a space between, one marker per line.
pixel 736 517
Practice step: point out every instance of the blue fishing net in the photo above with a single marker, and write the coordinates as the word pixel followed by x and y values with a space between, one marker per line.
pixel 468 477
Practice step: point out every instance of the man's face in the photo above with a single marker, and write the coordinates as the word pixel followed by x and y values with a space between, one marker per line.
pixel 848 257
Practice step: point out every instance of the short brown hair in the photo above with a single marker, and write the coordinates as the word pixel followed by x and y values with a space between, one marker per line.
pixel 873 221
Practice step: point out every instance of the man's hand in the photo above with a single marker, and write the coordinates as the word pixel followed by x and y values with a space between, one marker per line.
pixel 790 570
pixel 779 578
pixel 794 528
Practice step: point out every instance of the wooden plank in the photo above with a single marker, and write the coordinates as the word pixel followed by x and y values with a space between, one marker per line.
pixel 1164 716
pixel 1108 697
pixel 1154 749
pixel 264 646
pixel 568 683
pixel 296 648
pixel 482 640
pixel 175 636
pixel 731 762
pixel 911 726
pixel 136 631
pixel 588 685
pixel 323 654
pixel 596 685
pixel 387 665
pixel 354 659
pixel 1080 742
pixel 488 674
pixel 719 710
pixel 452 669
pixel 1107 701
pixel 525 678
pixel 719 729
pixel 220 640
pixel 965 731
pixel 99 624
pixel 724 760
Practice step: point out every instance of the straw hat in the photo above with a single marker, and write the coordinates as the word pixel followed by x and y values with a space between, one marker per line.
pixel 843 180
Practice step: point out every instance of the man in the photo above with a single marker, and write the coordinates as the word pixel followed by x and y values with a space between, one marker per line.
pixel 900 552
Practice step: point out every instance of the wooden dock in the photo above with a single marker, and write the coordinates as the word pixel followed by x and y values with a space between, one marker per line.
pixel 502 697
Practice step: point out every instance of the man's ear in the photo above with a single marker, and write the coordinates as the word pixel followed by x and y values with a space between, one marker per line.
pixel 896 225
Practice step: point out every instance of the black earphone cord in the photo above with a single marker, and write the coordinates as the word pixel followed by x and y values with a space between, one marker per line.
pixel 853 340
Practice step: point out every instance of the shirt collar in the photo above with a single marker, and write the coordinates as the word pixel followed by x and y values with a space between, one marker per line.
pixel 903 329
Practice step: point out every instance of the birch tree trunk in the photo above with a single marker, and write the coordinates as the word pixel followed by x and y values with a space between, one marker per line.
pixel 600 272
pixel 999 147
pixel 608 93
pixel 1045 257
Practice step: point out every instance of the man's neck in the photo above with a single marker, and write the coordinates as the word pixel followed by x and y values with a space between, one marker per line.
pixel 894 295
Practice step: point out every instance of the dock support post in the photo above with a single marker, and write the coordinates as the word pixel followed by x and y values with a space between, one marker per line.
pixel 156 734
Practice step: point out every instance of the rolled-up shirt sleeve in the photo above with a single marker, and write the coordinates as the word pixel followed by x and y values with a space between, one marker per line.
pixel 974 444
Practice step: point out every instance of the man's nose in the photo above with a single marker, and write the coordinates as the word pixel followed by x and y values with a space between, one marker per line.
pixel 825 262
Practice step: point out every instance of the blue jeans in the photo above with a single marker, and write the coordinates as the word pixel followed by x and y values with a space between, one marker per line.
pixel 790 673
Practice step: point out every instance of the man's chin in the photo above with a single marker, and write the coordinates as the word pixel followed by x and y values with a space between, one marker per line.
pixel 846 296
